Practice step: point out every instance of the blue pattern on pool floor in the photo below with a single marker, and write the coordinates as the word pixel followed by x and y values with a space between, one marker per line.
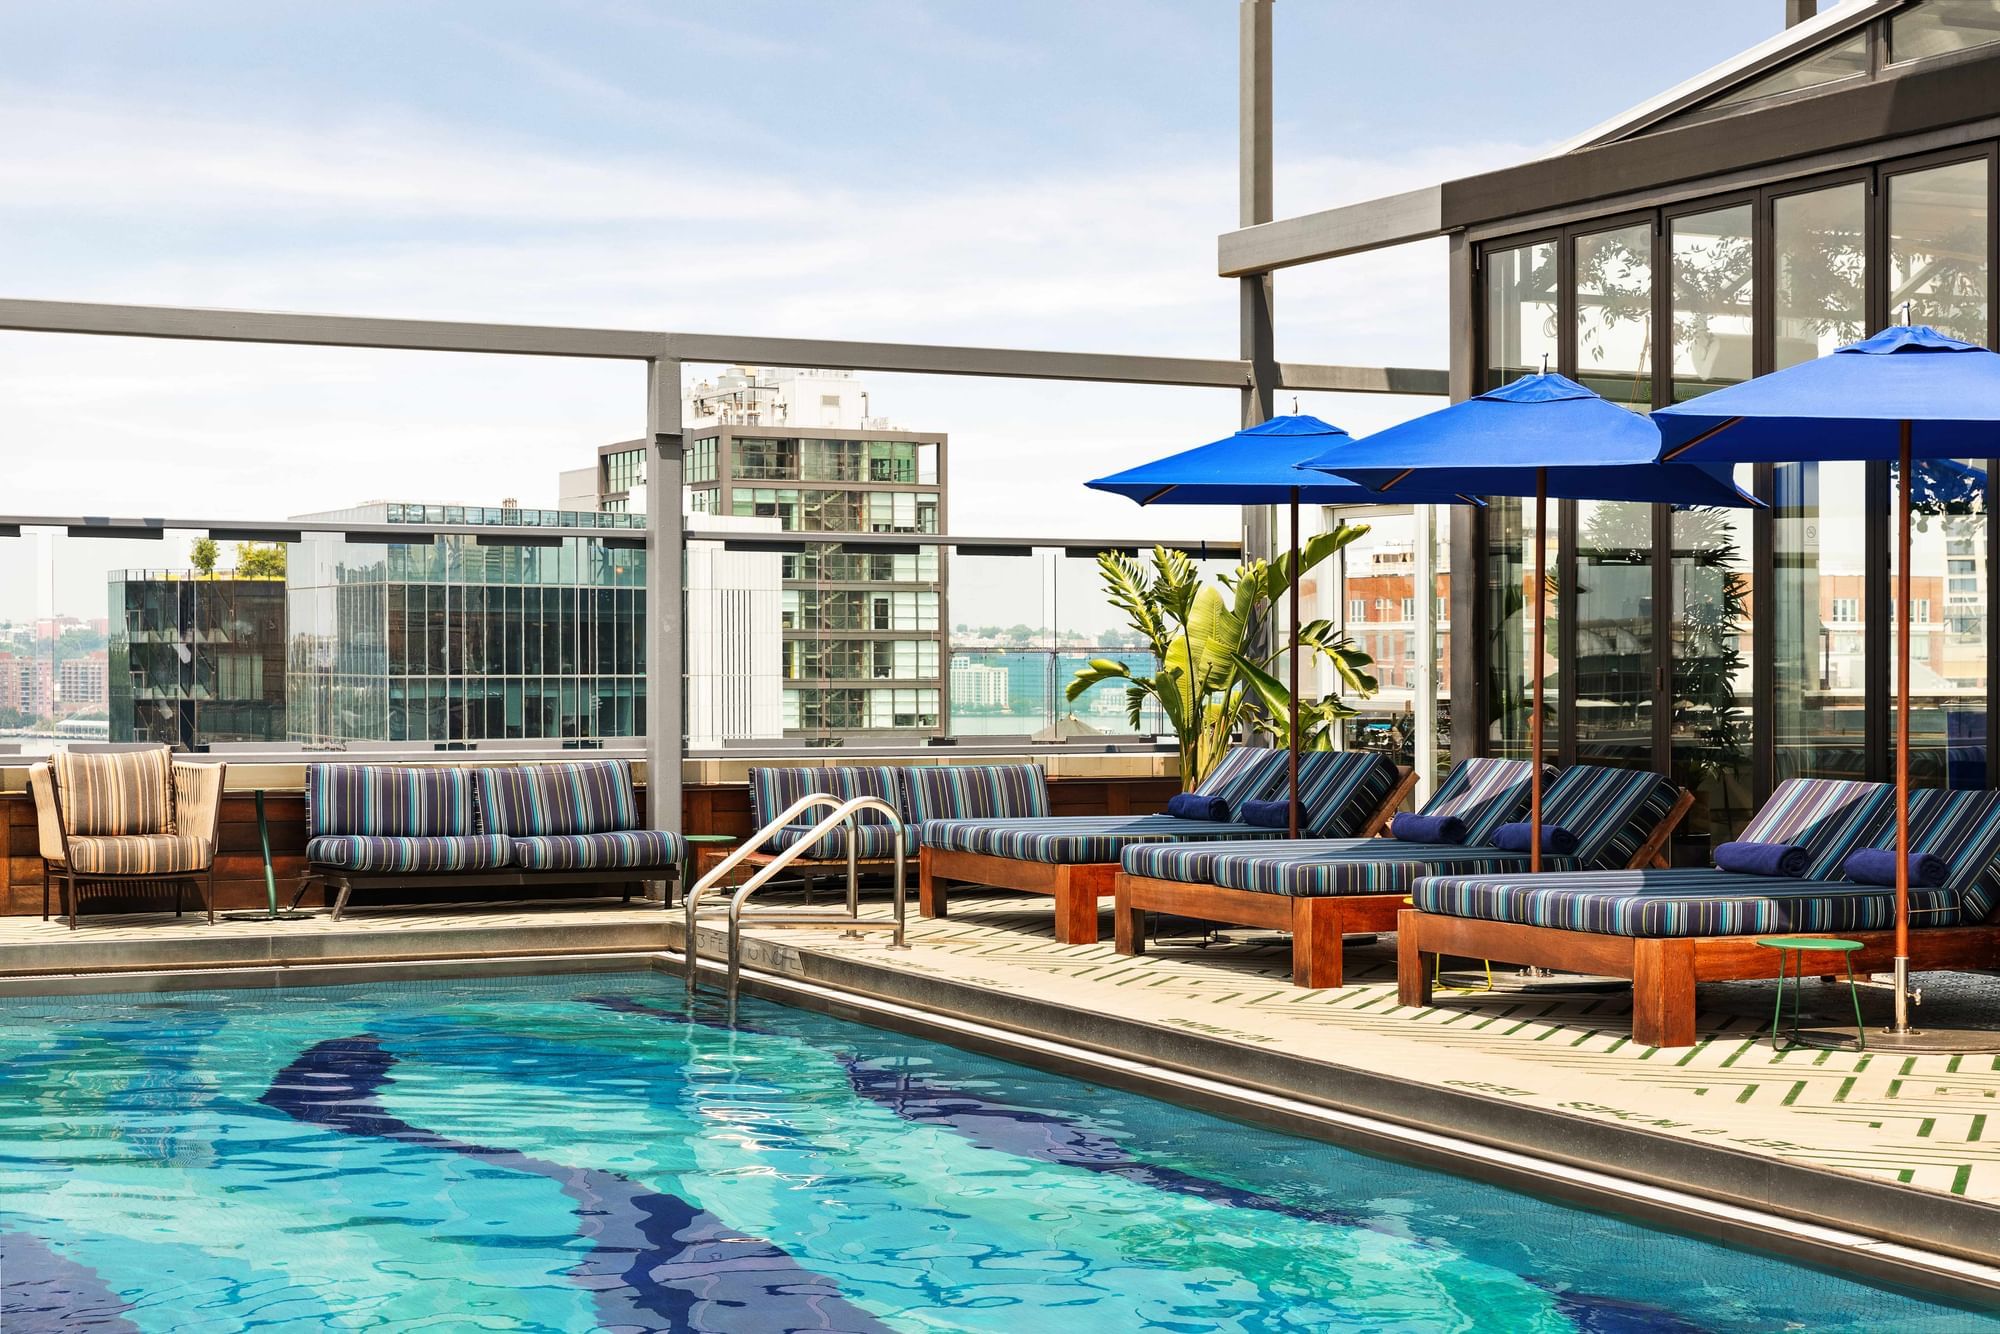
pixel 586 1153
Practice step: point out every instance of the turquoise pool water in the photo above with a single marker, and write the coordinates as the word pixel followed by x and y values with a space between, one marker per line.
pixel 586 1153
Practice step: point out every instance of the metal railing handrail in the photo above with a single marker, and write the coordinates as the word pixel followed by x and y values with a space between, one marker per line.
pixel 843 812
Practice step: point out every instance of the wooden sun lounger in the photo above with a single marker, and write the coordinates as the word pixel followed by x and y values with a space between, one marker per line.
pixel 1076 887
pixel 1664 971
pixel 1316 923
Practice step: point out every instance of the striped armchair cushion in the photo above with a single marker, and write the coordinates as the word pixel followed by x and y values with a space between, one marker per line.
pixel 120 792
pixel 141 854
pixel 1484 793
pixel 1319 868
pixel 1339 790
pixel 650 848
pixel 577 797
pixel 975 792
pixel 401 853
pixel 1826 816
pixel 1611 811
pixel 1688 902
pixel 1964 829
pixel 873 842
pixel 48 827
pixel 388 800
pixel 1246 773
pixel 1076 840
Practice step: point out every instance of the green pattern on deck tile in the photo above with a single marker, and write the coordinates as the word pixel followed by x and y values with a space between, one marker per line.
pixel 1848 1111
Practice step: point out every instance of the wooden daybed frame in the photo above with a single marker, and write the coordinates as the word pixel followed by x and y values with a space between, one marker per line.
pixel 1317 923
pixel 1077 887
pixel 1664 970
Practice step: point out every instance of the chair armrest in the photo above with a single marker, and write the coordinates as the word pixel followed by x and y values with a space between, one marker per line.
pixel 198 798
pixel 48 821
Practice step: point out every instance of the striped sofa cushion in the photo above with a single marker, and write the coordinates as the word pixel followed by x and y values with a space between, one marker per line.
pixel 1076 840
pixel 1485 794
pixel 1339 790
pixel 1688 902
pixel 388 800
pixel 575 797
pixel 1828 817
pixel 1343 869
pixel 120 792
pixel 1964 829
pixel 975 792
pixel 873 842
pixel 773 789
pixel 140 854
pixel 1611 811
pixel 600 851
pixel 403 853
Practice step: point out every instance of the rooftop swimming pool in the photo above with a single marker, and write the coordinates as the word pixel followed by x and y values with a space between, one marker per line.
pixel 587 1153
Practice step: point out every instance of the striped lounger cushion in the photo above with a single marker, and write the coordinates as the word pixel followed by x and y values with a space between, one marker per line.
pixel 391 800
pixel 1612 811
pixel 140 854
pixel 1830 818
pixel 122 792
pixel 1338 792
pixel 1485 794
pixel 603 851
pixel 872 842
pixel 395 853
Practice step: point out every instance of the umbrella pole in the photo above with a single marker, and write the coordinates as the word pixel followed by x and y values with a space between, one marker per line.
pixel 1901 1023
pixel 1536 653
pixel 1293 630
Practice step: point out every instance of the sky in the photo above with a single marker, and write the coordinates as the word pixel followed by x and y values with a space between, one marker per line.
pixel 1038 173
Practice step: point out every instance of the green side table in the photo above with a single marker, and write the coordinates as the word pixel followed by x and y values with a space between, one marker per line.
pixel 1801 946
pixel 694 842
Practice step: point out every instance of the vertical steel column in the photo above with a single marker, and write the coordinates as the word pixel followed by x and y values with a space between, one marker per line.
pixel 1798 11
pixel 665 576
pixel 1470 669
pixel 1423 707
pixel 1257 340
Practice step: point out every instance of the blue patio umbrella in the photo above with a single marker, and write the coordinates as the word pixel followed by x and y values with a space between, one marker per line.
pixel 1544 434
pixel 1908 394
pixel 1259 465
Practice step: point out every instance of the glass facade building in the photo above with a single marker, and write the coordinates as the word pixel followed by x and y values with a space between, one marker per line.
pixel 192 659
pixel 1742 648
pixel 458 638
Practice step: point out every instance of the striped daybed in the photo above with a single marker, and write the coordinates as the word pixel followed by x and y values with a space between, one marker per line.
pixel 377 826
pixel 1075 858
pixel 127 818
pixel 1321 890
pixel 1670 930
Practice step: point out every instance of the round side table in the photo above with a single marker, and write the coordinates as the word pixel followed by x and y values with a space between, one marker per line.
pixel 695 842
pixel 1801 946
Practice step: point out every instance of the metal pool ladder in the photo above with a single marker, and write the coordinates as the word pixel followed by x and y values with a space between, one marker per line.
pixel 843 812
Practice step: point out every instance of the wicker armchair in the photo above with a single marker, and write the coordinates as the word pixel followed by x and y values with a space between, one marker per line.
pixel 133 817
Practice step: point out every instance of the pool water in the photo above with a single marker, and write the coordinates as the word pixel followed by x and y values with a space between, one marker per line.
pixel 588 1153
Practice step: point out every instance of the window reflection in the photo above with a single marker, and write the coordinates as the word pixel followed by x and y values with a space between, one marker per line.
pixel 1939 27
pixel 1612 674
pixel 1709 632
pixel 1712 280
pixel 1520 312
pixel 1937 249
pixel 1948 592
pixel 1614 314
pixel 1820 265
pixel 1819 651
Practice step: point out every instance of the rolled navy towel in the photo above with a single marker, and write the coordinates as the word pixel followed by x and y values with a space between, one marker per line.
pixel 1518 837
pixel 1267 814
pixel 1877 866
pixel 1197 806
pixel 1427 828
pixel 1785 859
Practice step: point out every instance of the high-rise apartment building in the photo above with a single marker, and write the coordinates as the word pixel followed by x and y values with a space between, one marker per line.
pixel 455 638
pixel 863 625
pixel 26 685
pixel 192 659
pixel 81 682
